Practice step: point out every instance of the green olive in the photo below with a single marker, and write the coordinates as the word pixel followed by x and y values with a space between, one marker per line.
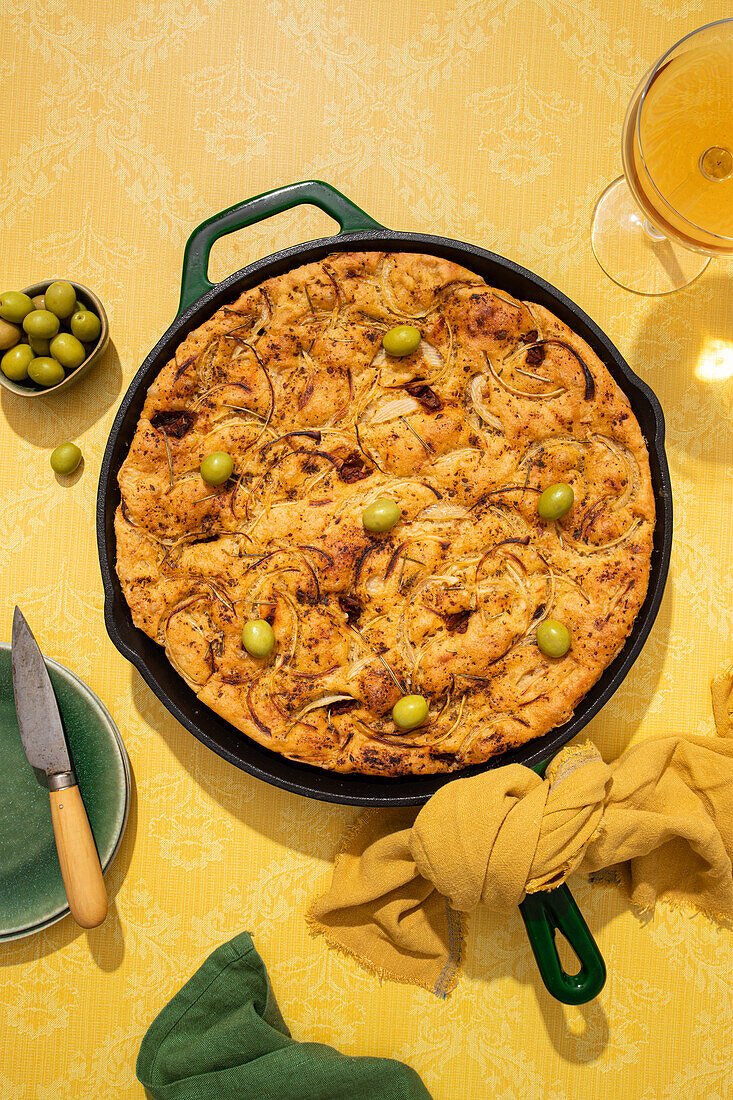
pixel 40 347
pixel 14 306
pixel 39 302
pixel 86 326
pixel 45 371
pixel 14 364
pixel 381 515
pixel 41 323
pixel 410 711
pixel 553 638
pixel 217 467
pixel 556 500
pixel 69 351
pixel 401 340
pixel 65 458
pixel 258 638
pixel 60 298
pixel 9 335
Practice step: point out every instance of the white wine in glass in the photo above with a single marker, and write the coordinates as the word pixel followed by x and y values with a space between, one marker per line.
pixel 655 229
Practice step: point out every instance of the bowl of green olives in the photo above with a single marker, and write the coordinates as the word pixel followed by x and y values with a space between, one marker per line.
pixel 51 334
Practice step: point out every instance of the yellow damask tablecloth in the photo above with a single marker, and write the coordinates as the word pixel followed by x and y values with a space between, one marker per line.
pixel 123 125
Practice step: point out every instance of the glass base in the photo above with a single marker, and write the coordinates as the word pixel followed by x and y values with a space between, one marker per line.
pixel 633 253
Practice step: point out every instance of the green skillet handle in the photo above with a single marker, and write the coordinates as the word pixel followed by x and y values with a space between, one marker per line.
pixel 549 911
pixel 195 280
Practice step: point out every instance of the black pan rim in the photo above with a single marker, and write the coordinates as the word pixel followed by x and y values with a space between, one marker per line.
pixel 304 779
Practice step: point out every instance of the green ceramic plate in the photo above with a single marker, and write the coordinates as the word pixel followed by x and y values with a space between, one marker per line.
pixel 31 891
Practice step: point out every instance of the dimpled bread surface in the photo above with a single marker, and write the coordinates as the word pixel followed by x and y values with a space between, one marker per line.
pixel 499 401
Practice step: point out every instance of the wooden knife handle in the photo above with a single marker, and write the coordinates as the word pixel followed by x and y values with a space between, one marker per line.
pixel 80 868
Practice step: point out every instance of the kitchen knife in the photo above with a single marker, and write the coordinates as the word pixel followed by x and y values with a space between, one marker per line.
pixel 45 746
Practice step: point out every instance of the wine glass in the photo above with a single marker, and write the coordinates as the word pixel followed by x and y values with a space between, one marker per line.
pixel 655 228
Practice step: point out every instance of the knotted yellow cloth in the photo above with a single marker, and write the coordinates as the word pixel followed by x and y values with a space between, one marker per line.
pixel 661 816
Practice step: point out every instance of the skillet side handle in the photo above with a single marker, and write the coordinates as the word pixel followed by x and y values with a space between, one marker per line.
pixel 549 911
pixel 195 279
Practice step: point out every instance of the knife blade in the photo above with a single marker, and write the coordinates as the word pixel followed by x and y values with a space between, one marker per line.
pixel 44 743
pixel 39 720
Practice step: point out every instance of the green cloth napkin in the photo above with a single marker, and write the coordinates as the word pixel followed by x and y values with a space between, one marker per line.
pixel 223 1038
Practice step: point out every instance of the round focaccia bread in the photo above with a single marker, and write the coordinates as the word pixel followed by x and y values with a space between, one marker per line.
pixel 499 401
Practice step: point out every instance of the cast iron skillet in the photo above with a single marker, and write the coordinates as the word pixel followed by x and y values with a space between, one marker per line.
pixel 199 300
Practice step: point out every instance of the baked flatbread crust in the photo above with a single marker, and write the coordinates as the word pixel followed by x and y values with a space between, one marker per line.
pixel 500 400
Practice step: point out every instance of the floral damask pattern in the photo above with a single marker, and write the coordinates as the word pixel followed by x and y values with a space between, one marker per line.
pixel 497 123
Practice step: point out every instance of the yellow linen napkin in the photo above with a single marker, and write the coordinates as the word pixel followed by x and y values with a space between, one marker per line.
pixel 661 816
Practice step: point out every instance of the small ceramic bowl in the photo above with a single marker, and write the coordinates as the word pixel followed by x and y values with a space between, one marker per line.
pixel 85 297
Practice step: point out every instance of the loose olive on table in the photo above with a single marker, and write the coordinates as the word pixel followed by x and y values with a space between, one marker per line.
pixel 381 516
pixel 14 364
pixel 15 306
pixel 401 340
pixel 258 638
pixel 553 638
pixel 41 323
pixel 217 468
pixel 410 711
pixel 556 501
pixel 65 458
pixel 45 371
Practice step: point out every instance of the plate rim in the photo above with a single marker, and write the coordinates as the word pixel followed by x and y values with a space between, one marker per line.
pixel 108 721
